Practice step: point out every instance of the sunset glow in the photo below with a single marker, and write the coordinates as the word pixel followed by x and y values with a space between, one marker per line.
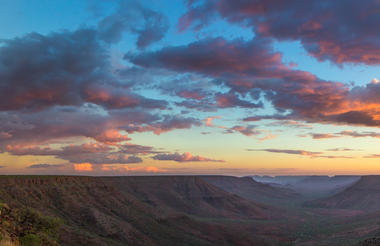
pixel 189 87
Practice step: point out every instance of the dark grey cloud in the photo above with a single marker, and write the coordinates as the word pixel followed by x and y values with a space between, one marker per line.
pixel 67 68
pixel 250 130
pixel 45 166
pixel 252 70
pixel 339 31
pixel 185 157
pixel 131 17
pixel 346 133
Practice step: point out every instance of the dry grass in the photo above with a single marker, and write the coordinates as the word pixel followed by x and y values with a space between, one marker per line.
pixel 7 242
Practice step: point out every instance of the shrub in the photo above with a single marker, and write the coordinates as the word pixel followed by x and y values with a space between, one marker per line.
pixel 31 240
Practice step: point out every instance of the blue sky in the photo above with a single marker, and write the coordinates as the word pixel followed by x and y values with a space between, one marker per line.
pixel 177 103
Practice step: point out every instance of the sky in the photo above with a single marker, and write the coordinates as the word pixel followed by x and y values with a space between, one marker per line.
pixel 161 87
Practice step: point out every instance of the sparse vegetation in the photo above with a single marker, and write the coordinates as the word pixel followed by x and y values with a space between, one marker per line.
pixel 147 211
pixel 27 227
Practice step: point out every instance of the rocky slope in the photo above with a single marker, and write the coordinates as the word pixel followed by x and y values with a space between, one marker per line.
pixel 142 210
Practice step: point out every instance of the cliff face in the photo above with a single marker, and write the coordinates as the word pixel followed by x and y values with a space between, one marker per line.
pixel 137 210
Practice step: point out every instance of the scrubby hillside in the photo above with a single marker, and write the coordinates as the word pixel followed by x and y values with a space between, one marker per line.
pixel 27 227
pixel 142 210
pixel 191 195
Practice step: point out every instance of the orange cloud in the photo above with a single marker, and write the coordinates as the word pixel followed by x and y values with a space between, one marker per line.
pixel 83 167
pixel 126 169
pixel 209 120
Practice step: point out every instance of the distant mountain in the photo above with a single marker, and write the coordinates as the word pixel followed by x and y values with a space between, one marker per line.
pixel 363 195
pixel 141 211
pixel 311 186
pixel 249 189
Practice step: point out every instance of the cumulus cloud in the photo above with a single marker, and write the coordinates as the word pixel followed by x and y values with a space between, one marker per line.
pixel 231 99
pixel 83 167
pixel 252 68
pixel 248 66
pixel 327 30
pixel 62 87
pixel 66 68
pixel 134 149
pixel 130 16
pixel 191 94
pixel 185 157
pixel 93 153
pixel 168 123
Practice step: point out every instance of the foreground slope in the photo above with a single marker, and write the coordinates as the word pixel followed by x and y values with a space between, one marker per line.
pixel 142 210
pixel 363 195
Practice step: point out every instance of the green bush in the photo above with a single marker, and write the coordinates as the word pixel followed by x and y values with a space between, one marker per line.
pixel 31 240
pixel 30 226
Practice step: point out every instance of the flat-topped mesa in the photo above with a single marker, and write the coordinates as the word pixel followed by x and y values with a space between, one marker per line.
pixel 43 180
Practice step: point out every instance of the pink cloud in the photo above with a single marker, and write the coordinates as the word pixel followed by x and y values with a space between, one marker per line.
pixel 111 136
